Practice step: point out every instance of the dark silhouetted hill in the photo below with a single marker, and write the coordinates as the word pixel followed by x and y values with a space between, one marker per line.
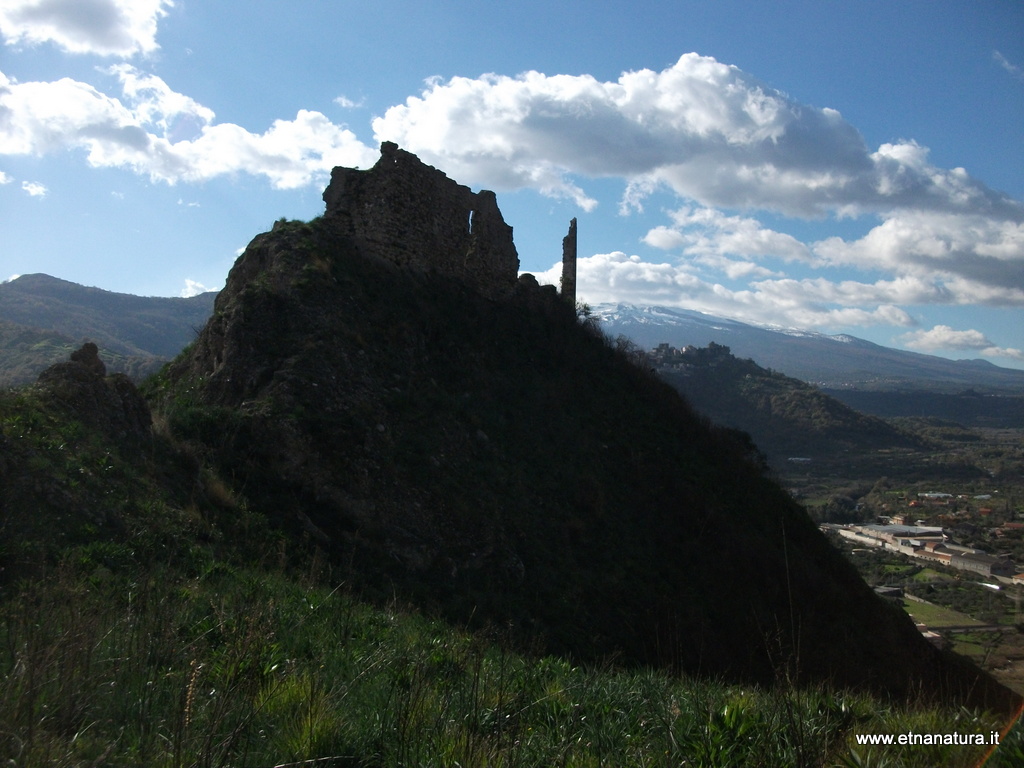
pixel 483 454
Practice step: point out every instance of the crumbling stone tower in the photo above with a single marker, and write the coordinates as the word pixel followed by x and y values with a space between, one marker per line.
pixel 569 264
pixel 411 214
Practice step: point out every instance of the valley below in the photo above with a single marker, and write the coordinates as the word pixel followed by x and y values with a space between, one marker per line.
pixel 968 484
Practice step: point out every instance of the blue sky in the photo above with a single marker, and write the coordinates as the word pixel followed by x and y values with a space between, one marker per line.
pixel 853 167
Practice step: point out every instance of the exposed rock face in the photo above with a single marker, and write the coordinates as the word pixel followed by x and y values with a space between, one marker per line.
pixel 414 216
pixel 111 404
pixel 89 356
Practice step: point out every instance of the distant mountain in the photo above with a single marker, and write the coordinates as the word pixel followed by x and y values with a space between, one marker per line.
pixel 25 352
pixel 785 417
pixel 43 318
pixel 829 361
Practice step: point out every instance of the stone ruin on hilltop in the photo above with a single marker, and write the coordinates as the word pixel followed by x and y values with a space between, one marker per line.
pixel 414 216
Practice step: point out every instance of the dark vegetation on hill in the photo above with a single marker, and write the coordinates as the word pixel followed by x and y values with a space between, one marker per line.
pixel 42 319
pixel 498 463
pixel 26 352
pixel 149 616
pixel 785 416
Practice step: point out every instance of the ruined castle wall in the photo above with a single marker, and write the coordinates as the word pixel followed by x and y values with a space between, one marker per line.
pixel 569 264
pixel 414 216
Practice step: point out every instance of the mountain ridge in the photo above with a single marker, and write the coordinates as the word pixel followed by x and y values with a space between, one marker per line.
pixel 73 313
pixel 120 322
pixel 828 361
pixel 43 318
pixel 784 416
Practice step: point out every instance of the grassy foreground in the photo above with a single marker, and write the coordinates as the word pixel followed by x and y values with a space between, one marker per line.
pixel 149 618
pixel 102 664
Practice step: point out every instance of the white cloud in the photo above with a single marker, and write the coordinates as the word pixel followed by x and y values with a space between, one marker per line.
pixel 617 277
pixel 706 130
pixel 104 27
pixel 192 288
pixel 719 138
pixel 34 188
pixel 347 103
pixel 1011 353
pixel 926 257
pixel 144 132
pixel 154 103
pixel 944 338
pixel 12 278
pixel 4 178
pixel 1009 66
pixel 707 232
pixel 978 259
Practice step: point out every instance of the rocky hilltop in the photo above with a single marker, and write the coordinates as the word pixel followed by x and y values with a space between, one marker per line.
pixel 380 385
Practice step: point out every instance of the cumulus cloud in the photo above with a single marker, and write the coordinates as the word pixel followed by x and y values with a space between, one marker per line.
pixel 192 288
pixel 153 102
pixel 928 257
pixel 34 188
pixel 4 178
pixel 618 277
pixel 706 130
pixel 944 338
pixel 977 258
pixel 346 103
pixel 707 232
pixel 720 139
pixel 104 27
pixel 166 135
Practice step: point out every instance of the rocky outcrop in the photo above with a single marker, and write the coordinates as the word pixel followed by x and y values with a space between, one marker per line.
pixel 110 404
pixel 411 214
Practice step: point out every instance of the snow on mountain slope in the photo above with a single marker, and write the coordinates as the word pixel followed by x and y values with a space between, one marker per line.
pixel 830 361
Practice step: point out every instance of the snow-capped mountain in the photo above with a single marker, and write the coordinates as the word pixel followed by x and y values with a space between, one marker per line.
pixel 830 361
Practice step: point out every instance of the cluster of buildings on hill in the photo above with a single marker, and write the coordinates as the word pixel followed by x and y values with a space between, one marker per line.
pixel 930 544
pixel 666 356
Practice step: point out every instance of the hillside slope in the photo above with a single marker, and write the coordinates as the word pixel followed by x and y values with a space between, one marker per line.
pixel 493 460
pixel 784 416
pixel 26 352
pixel 135 333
